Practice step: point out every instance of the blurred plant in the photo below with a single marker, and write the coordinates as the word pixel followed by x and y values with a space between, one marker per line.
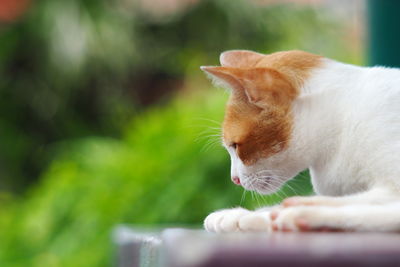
pixel 76 68
pixel 157 174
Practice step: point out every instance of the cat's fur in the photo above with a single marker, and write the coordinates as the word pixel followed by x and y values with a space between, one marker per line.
pixel 292 110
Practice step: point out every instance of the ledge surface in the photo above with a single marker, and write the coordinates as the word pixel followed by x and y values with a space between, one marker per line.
pixel 197 248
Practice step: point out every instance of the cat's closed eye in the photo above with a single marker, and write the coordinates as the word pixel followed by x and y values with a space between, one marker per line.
pixel 234 145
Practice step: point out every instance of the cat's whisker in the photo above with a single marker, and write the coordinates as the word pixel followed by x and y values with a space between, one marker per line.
pixel 252 188
pixel 243 197
pixel 257 199
pixel 212 141
pixel 251 185
pixel 207 132
pixel 208 137
pixel 264 200
pixel 298 185
pixel 213 136
pixel 281 194
pixel 283 181
pixel 292 189
pixel 278 193
pixel 279 184
pixel 208 120
pixel 252 195
pixel 205 126
pixel 288 185
pixel 209 145
pixel 302 176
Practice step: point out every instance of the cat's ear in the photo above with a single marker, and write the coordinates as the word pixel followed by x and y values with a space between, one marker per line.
pixel 240 58
pixel 263 87
pixel 267 87
pixel 225 77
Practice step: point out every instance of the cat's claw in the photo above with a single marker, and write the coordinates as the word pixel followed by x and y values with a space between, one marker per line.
pixel 237 220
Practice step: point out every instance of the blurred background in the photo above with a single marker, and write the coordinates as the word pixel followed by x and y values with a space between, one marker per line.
pixel 105 117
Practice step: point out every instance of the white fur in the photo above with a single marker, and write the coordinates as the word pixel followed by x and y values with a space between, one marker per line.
pixel 237 220
pixel 347 132
pixel 347 122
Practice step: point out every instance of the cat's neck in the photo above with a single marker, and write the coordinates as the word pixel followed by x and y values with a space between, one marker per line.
pixel 321 104
pixel 319 112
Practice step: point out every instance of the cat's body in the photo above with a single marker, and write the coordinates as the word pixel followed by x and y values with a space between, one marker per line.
pixel 292 110
pixel 350 127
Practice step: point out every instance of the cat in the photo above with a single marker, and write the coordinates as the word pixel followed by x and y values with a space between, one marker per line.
pixel 293 110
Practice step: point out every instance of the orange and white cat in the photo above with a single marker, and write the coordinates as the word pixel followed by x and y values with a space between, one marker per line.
pixel 292 110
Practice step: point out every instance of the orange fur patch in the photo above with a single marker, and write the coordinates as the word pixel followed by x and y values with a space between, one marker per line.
pixel 295 64
pixel 262 126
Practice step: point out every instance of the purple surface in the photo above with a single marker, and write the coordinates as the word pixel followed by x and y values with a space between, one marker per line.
pixel 290 249
pixel 196 248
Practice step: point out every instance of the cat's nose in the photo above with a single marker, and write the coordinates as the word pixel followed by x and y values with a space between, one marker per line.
pixel 236 180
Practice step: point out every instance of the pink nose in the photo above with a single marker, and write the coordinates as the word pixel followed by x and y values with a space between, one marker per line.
pixel 236 180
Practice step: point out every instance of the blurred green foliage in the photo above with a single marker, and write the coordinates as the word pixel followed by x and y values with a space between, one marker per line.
pixel 76 68
pixel 81 80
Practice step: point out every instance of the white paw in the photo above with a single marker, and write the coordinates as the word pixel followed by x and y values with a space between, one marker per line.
pixel 287 219
pixel 256 221
pixel 237 220
pixel 306 219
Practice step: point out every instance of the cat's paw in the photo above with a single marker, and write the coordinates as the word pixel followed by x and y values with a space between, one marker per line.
pixel 238 220
pixel 303 218
pixel 222 221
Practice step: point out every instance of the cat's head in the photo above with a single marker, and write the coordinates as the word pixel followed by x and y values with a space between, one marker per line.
pixel 259 122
